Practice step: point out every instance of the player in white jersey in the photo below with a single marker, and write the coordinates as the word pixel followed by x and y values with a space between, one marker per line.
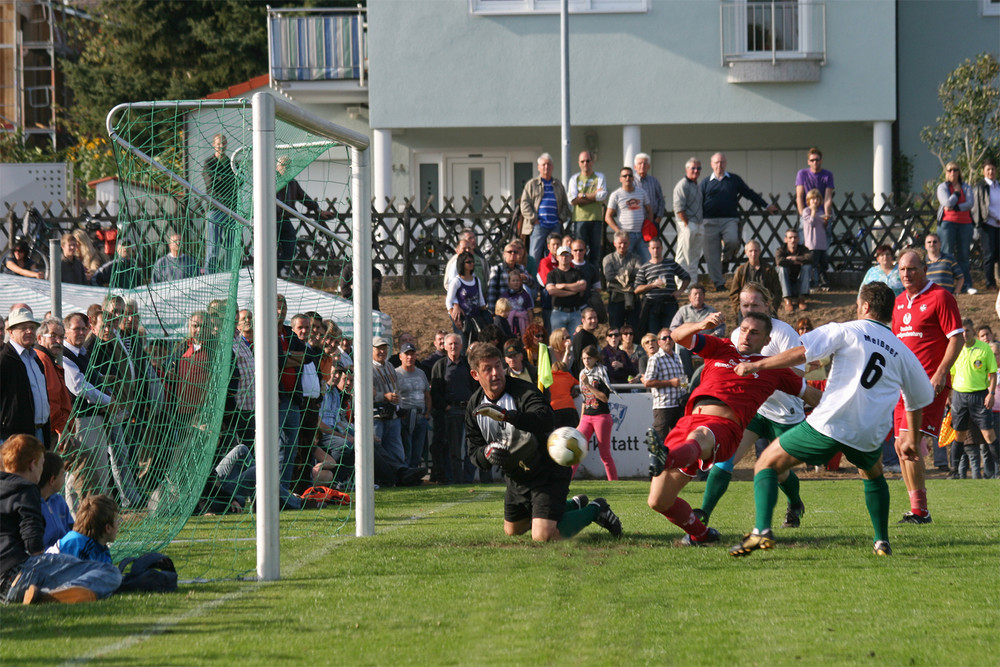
pixel 869 367
pixel 778 414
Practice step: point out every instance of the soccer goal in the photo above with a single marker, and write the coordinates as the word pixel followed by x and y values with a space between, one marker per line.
pixel 192 425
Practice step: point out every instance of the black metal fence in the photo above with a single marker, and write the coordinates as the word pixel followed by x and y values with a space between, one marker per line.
pixel 414 242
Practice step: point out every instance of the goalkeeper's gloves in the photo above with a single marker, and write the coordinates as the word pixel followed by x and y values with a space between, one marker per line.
pixel 497 453
pixel 491 410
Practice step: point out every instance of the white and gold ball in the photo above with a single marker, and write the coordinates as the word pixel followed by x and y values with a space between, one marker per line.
pixel 567 446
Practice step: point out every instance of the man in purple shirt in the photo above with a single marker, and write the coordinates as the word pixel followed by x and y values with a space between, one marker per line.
pixel 814 176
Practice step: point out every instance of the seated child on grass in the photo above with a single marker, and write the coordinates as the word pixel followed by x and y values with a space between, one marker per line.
pixel 26 574
pixel 55 511
pixel 97 522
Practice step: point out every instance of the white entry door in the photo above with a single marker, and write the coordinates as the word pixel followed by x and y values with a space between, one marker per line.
pixel 476 178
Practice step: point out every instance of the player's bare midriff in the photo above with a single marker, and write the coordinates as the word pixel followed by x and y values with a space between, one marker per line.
pixel 707 405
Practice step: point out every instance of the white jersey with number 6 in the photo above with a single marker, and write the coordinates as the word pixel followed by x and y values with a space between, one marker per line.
pixel 869 368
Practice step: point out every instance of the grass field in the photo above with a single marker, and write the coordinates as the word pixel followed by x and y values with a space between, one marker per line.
pixel 441 584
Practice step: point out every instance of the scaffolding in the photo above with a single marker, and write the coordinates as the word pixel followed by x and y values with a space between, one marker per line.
pixel 30 85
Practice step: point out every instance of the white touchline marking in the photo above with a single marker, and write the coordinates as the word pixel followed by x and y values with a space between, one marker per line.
pixel 164 624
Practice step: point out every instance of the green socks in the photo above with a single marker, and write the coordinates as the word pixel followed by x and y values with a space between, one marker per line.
pixel 765 495
pixel 791 489
pixel 877 501
pixel 575 520
pixel 715 487
pixel 718 482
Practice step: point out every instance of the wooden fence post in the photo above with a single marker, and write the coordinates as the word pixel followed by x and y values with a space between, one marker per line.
pixel 408 269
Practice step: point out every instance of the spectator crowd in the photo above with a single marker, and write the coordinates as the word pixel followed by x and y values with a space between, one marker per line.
pixel 108 404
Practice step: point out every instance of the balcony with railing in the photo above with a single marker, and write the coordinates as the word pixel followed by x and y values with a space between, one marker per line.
pixel 765 41
pixel 319 51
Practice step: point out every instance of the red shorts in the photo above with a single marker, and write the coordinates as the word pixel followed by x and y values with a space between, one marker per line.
pixel 930 423
pixel 727 438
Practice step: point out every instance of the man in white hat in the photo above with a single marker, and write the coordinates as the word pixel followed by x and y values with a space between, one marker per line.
pixel 24 402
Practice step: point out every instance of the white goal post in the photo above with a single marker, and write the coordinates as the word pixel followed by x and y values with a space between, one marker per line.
pixel 266 109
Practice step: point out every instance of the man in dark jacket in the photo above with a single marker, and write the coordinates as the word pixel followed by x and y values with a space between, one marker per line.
pixel 507 423
pixel 24 402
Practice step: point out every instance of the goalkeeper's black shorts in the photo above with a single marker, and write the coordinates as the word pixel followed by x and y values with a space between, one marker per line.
pixel 541 497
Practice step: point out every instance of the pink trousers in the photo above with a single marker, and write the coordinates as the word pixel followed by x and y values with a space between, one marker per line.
pixel 600 424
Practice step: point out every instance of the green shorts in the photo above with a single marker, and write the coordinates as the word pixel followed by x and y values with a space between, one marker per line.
pixel 767 429
pixel 810 446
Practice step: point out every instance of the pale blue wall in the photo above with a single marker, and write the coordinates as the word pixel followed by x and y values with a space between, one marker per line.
pixel 433 64
pixel 847 147
pixel 935 36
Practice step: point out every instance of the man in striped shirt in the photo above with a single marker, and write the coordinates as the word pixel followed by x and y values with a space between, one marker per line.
pixel 655 282
pixel 667 382
pixel 544 207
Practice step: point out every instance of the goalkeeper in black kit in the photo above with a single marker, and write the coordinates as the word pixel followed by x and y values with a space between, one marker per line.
pixel 507 423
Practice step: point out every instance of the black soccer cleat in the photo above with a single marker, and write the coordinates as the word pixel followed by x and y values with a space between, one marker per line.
pixel 606 518
pixel 701 515
pixel 910 517
pixel 793 515
pixel 657 452
pixel 580 500
pixel 710 538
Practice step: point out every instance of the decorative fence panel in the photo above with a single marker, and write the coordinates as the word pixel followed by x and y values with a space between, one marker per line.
pixel 414 242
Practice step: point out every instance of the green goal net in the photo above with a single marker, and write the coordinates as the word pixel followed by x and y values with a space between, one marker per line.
pixel 164 421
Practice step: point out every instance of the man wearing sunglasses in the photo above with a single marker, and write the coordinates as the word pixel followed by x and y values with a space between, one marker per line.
pixel 631 205
pixel 587 193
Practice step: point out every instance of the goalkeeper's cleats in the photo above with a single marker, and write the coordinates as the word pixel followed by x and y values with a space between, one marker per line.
pixel 606 518
pixel 580 501
pixel 753 541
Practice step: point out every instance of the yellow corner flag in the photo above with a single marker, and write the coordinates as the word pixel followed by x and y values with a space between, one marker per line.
pixel 544 367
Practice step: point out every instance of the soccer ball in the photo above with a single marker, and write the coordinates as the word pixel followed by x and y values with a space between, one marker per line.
pixel 567 446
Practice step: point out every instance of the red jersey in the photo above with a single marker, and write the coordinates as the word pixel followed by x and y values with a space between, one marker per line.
pixel 743 395
pixel 545 265
pixel 925 322
pixel 192 378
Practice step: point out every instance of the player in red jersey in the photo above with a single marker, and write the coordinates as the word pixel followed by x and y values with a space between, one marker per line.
pixel 716 415
pixel 927 320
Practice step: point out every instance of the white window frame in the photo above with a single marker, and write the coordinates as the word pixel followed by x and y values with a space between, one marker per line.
pixel 990 8
pixel 514 7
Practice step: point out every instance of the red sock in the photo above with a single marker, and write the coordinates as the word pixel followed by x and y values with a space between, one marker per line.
pixel 918 502
pixel 680 515
pixel 684 454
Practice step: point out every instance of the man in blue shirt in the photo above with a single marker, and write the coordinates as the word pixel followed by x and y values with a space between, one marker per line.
pixel 720 194
pixel 544 207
